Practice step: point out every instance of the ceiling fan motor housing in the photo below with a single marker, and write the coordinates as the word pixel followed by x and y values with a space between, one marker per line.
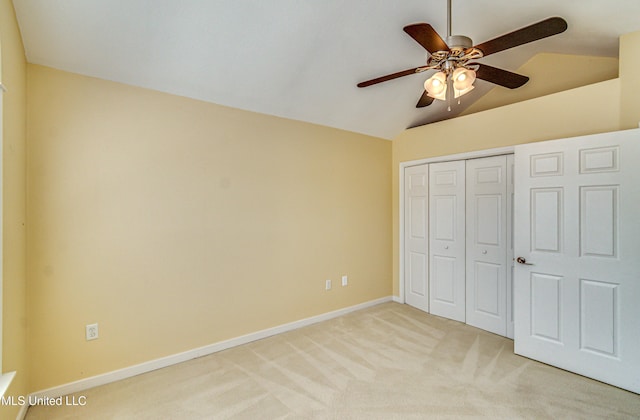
pixel 459 41
pixel 459 51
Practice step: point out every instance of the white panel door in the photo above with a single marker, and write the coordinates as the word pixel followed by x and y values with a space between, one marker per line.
pixel 577 306
pixel 416 236
pixel 510 259
pixel 446 239
pixel 487 266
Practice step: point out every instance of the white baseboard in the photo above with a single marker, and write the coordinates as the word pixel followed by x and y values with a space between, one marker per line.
pixel 151 365
pixel 23 412
pixel 396 299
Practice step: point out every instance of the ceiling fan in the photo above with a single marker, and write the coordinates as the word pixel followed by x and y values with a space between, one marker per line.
pixel 453 59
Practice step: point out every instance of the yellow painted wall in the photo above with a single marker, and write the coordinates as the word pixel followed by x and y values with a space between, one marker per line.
pixel 14 279
pixel 550 73
pixel 175 223
pixel 630 80
pixel 586 110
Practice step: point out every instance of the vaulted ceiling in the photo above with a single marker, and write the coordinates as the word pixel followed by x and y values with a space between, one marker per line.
pixel 300 59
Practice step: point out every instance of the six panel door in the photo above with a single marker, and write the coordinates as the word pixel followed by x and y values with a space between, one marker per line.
pixel 577 236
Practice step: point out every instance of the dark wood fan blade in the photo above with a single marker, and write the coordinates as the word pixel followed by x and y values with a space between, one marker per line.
pixel 425 100
pixel 389 77
pixel 500 77
pixel 542 29
pixel 426 36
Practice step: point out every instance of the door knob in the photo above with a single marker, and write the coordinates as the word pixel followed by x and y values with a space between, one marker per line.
pixel 521 260
pixel 446 247
pixel 484 251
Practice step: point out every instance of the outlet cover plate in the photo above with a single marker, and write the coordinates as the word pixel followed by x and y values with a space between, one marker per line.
pixel 91 332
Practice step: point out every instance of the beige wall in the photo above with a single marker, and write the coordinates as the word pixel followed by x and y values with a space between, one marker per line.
pixel 550 73
pixel 14 283
pixel 565 114
pixel 630 80
pixel 174 223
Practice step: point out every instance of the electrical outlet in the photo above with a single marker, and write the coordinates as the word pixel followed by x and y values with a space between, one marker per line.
pixel 91 331
pixel 327 285
pixel 345 280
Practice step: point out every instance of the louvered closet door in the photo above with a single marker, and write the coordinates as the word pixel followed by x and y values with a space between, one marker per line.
pixel 487 243
pixel 446 239
pixel 416 231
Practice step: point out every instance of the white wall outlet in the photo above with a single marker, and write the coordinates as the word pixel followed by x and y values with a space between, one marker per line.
pixel 91 331
pixel 327 285
pixel 345 280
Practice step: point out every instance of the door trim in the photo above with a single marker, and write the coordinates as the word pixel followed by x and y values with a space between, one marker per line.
pixel 458 156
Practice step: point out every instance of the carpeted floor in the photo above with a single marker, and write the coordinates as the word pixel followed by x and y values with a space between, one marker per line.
pixel 390 361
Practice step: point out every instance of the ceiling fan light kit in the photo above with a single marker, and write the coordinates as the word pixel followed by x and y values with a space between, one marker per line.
pixel 452 59
pixel 463 79
pixel 436 86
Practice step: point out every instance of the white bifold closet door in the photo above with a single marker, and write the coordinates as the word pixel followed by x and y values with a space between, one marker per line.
pixel 416 239
pixel 489 245
pixel 447 239
pixel 511 171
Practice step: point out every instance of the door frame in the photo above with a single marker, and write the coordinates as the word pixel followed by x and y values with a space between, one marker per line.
pixel 458 156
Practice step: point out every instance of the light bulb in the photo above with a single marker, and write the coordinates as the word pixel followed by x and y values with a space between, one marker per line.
pixel 463 79
pixel 436 86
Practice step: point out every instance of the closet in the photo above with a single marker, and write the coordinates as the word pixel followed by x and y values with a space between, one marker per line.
pixel 458 243
pixel 573 227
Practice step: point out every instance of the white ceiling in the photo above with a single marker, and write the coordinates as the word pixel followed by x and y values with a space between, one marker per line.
pixel 299 59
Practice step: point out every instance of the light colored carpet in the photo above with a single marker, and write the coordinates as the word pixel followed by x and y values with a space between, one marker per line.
pixel 390 361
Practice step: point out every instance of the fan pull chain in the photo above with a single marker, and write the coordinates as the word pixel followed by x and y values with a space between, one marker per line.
pixel 450 89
